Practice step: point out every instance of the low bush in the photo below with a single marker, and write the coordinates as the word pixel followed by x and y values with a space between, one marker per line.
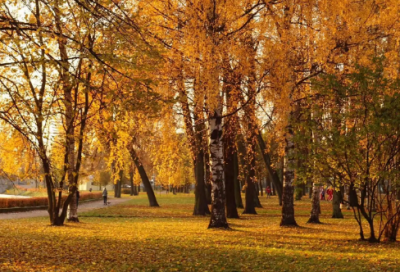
pixel 298 193
pixel 41 201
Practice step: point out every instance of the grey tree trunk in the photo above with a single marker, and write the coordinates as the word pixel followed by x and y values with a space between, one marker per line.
pixel 200 206
pixel 229 170
pixel 238 195
pixel 218 216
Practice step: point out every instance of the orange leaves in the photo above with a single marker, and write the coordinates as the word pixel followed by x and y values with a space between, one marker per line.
pixel 135 237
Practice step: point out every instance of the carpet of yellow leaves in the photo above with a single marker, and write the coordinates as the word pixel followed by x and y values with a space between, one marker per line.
pixel 135 237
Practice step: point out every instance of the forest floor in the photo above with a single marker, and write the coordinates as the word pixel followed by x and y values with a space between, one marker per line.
pixel 134 237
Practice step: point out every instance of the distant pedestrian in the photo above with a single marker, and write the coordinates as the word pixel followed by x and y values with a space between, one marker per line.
pixel 268 191
pixel 105 193
pixel 90 190
pixel 77 197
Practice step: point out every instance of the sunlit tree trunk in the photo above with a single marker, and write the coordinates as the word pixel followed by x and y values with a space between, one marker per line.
pixel 288 186
pixel 218 216
pixel 315 205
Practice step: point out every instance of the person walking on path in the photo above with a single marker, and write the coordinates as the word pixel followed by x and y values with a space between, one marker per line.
pixel 105 193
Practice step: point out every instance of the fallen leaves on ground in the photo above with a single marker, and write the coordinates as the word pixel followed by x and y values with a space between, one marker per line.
pixel 134 237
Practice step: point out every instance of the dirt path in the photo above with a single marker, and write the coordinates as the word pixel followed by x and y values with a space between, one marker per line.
pixel 84 207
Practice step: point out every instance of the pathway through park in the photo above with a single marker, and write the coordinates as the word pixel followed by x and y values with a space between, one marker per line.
pixel 83 207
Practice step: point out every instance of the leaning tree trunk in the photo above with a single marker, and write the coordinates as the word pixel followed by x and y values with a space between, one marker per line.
pixel 315 205
pixel 272 173
pixel 144 177
pixel 288 187
pixel 218 216
pixel 257 202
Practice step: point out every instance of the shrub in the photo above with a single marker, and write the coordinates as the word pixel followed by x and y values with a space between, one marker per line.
pixel 298 193
pixel 41 201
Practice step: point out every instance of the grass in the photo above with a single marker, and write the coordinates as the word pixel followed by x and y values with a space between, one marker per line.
pixel 134 237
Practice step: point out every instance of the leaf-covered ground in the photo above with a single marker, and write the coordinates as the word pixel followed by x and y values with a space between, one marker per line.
pixel 134 237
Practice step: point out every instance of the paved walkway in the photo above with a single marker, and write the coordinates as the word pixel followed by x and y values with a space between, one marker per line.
pixel 84 207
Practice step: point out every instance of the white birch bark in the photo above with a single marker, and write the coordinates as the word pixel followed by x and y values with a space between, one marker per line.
pixel 218 215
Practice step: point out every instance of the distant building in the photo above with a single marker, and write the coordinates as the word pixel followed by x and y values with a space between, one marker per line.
pixel 86 184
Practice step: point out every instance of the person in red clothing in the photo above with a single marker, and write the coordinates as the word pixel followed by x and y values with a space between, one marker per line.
pixel 268 192
pixel 329 192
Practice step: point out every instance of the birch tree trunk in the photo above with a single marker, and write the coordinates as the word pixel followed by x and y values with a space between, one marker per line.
pixel 218 216
pixel 288 188
pixel 315 205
